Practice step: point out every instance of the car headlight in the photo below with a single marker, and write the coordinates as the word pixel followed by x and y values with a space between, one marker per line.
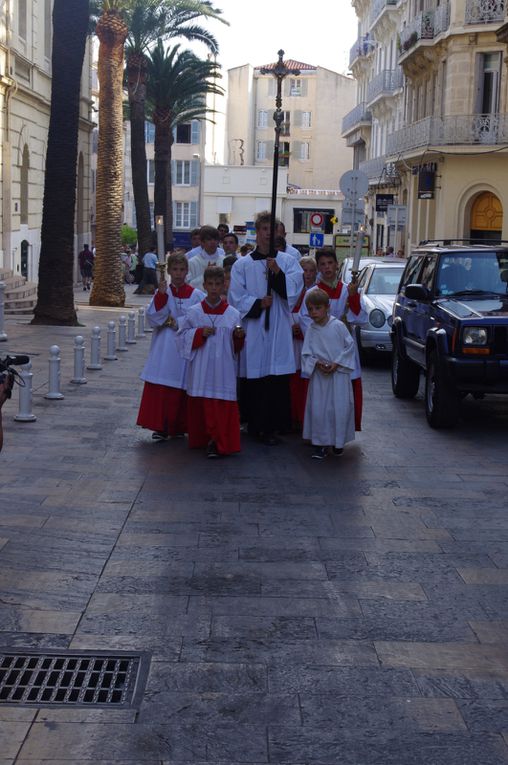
pixel 377 318
pixel 475 336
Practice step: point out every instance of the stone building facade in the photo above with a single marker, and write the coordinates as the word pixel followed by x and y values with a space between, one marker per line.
pixel 430 124
pixel 25 92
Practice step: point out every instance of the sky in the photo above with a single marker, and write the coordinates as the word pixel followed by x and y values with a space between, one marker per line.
pixel 319 33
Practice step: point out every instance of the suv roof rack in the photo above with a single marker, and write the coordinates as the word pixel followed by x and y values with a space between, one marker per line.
pixel 462 242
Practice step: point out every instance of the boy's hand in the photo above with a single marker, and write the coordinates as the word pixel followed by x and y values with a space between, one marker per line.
pixel 239 332
pixel 273 265
pixel 296 330
pixel 267 301
pixel 163 286
pixel 352 287
pixel 327 367
pixel 207 331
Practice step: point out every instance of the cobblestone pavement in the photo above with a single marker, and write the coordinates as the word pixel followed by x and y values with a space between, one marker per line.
pixel 349 612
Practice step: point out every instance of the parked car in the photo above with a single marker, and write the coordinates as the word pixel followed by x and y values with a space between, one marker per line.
pixel 450 320
pixel 346 265
pixel 378 284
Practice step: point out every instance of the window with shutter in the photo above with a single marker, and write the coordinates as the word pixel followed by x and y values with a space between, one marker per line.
pixel 260 150
pixel 150 170
pixel 195 131
pixel 195 172
pixel 295 86
pixel 182 215
pixel 182 172
pixel 306 119
pixel 183 133
pixel 149 132
pixel 304 150
pixel 262 118
pixel 193 219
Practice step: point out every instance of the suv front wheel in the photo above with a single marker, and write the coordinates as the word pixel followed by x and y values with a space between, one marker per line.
pixel 441 403
pixel 405 374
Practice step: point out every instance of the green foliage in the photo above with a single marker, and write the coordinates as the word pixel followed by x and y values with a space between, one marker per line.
pixel 129 235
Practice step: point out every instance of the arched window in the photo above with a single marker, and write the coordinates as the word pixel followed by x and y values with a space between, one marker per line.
pixel 25 166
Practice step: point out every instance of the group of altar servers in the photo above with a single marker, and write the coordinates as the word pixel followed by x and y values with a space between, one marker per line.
pixel 280 335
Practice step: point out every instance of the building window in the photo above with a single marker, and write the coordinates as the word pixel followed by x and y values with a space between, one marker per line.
pixel 295 87
pixel 286 124
pixel 182 217
pixel 304 150
pixel 284 153
pixel 262 118
pixel 149 132
pixel 25 165
pixel 487 95
pixel 47 28
pixel 150 170
pixel 184 133
pixel 182 172
pixel 22 19
pixel 306 119
pixel 260 150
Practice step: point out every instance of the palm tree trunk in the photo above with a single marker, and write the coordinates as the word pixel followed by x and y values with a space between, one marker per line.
pixel 108 289
pixel 136 85
pixel 162 163
pixel 55 295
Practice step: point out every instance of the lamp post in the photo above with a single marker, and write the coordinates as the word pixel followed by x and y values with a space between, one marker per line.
pixel 280 71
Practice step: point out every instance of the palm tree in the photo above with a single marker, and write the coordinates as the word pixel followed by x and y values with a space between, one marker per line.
pixel 148 21
pixel 111 29
pixel 55 296
pixel 177 86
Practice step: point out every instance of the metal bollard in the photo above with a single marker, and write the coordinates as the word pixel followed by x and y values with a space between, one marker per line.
pixel 148 328
pixel 95 349
pixel 54 393
pixel 3 334
pixel 111 355
pixel 122 328
pixel 79 361
pixel 131 328
pixel 141 323
pixel 25 413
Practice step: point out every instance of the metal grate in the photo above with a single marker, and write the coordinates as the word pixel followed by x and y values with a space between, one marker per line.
pixel 71 678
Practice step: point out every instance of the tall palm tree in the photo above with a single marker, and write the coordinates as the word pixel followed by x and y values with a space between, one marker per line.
pixel 148 21
pixel 55 296
pixel 111 29
pixel 177 86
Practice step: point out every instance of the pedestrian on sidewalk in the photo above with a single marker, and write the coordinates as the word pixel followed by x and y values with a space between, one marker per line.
pixel 149 272
pixel 163 406
pixel 85 259
pixel 209 338
pixel 328 358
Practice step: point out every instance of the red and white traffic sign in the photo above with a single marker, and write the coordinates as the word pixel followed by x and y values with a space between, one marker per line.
pixel 316 219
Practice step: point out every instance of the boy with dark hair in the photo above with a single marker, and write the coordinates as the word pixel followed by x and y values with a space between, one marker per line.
pixel 230 244
pixel 163 406
pixel 209 255
pixel 208 339
pixel 328 358
pixel 346 305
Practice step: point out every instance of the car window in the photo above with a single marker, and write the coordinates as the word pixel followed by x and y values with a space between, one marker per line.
pixel 412 270
pixel 475 272
pixel 385 281
pixel 362 278
pixel 428 271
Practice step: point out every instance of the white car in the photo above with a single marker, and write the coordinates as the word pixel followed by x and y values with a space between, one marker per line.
pixel 346 265
pixel 378 284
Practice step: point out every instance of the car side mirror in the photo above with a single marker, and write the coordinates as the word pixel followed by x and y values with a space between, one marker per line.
pixel 416 292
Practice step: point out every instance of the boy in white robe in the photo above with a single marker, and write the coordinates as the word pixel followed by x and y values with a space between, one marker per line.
pixel 163 407
pixel 208 339
pixel 328 358
pixel 209 255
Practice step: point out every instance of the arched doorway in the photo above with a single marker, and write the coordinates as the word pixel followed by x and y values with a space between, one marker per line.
pixel 486 219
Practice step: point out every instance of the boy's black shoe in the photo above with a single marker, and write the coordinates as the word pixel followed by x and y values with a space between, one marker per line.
pixel 211 450
pixel 337 452
pixel 158 435
pixel 320 452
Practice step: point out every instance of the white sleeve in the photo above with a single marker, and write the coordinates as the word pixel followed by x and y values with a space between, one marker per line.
pixel 158 318
pixel 238 296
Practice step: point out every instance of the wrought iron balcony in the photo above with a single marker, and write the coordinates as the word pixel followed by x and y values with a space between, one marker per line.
pixel 455 130
pixel 362 47
pixel 384 83
pixel 379 6
pixel 425 26
pixel 485 11
pixel 360 114
pixel 373 168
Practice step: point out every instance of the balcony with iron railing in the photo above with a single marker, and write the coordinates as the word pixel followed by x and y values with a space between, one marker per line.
pixel 379 7
pixel 373 168
pixel 425 26
pixel 485 11
pixel 357 116
pixel 454 130
pixel 384 84
pixel 362 47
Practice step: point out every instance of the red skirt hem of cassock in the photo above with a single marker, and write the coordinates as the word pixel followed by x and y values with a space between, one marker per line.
pixel 163 409
pixel 298 387
pixel 212 419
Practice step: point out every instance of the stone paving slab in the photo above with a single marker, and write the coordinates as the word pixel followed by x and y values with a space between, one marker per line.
pixel 352 612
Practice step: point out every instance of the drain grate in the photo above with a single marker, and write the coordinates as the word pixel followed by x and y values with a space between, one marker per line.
pixel 72 678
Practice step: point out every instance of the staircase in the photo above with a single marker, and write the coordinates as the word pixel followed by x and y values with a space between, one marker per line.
pixel 20 295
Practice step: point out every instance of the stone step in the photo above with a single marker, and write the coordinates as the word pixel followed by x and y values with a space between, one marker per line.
pixel 20 295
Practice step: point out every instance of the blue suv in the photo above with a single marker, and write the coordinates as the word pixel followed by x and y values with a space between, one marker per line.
pixel 450 320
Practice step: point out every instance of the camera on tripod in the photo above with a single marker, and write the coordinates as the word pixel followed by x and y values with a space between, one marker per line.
pixel 9 373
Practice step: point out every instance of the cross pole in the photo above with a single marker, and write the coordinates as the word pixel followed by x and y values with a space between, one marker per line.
pixel 280 71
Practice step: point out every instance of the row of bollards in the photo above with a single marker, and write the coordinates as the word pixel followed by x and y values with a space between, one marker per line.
pixel 127 335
